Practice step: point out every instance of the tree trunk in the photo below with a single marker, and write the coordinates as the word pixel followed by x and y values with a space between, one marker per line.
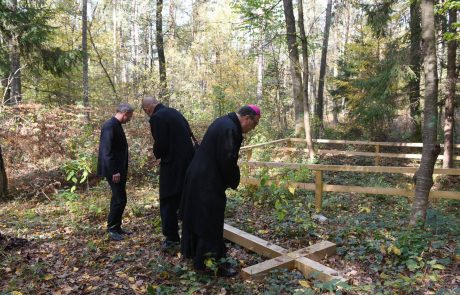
pixel 306 112
pixel 15 66
pixel 415 58
pixel 450 99
pixel 313 84
pixel 260 72
pixel 172 20
pixel 322 69
pixel 161 53
pixel 135 46
pixel 114 40
pixel 3 179
pixel 294 65
pixel 150 47
pixel 431 149
pixel 84 47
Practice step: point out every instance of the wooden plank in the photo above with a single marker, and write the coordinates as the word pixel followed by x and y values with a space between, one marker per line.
pixel 317 251
pixel 363 142
pixel 308 266
pixel 261 269
pixel 360 189
pixel 263 144
pixel 364 154
pixel 249 154
pixel 318 190
pixel 256 182
pixel 252 242
pixel 364 169
pixel 377 157
pixel 445 195
pixel 368 190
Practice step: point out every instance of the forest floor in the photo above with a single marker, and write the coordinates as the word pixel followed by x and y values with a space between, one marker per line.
pixel 58 245
pixel 53 240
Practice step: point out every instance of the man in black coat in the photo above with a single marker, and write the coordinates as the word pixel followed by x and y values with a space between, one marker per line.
pixel 213 169
pixel 113 165
pixel 173 145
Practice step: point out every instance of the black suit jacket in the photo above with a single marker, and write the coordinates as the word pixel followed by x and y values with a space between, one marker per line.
pixel 113 150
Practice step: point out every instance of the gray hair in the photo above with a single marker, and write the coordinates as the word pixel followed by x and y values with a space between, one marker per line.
pixel 124 108
pixel 149 100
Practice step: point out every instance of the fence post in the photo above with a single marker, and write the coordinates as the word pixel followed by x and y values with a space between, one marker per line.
pixel 318 190
pixel 289 145
pixel 249 155
pixel 249 158
pixel 377 155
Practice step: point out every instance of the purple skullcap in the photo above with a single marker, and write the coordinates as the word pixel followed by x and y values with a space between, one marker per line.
pixel 255 108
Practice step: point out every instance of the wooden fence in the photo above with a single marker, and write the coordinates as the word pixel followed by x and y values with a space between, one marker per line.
pixel 377 154
pixel 319 186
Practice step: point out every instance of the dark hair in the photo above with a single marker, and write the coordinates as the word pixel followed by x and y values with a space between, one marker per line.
pixel 247 111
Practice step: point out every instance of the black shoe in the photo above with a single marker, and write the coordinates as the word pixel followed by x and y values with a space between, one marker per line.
pixel 170 245
pixel 124 232
pixel 115 236
pixel 227 272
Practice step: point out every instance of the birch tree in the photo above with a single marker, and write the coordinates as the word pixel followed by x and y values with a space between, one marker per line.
pixel 306 112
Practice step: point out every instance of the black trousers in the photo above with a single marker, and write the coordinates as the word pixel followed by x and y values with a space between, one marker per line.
pixel 117 204
pixel 168 213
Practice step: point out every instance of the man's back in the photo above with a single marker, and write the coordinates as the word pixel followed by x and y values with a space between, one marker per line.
pixel 173 146
pixel 113 149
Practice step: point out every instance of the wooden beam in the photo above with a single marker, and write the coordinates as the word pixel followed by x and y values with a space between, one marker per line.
pixel 377 157
pixel 364 154
pixel 252 242
pixel 317 251
pixel 308 266
pixel 259 270
pixel 363 142
pixel 318 190
pixel 364 169
pixel 263 144
pixel 359 189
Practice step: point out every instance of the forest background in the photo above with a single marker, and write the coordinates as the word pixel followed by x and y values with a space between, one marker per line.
pixel 324 69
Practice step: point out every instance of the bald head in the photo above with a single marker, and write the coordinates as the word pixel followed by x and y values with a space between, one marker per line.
pixel 148 104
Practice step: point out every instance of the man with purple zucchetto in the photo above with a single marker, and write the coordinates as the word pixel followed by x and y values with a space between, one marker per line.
pixel 213 169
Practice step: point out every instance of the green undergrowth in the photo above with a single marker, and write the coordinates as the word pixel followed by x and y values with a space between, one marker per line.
pixel 376 249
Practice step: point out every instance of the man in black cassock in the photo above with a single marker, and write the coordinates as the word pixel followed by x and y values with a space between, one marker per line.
pixel 213 169
pixel 113 165
pixel 173 145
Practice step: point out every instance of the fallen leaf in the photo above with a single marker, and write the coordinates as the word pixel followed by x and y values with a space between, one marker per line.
pixel 304 284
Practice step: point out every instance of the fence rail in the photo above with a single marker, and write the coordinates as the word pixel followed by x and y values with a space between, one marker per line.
pixel 319 186
pixel 378 155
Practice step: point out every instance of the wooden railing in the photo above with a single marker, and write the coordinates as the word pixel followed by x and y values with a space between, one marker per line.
pixel 319 186
pixel 378 155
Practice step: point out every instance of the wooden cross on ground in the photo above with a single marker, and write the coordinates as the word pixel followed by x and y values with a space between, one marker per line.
pixel 303 259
